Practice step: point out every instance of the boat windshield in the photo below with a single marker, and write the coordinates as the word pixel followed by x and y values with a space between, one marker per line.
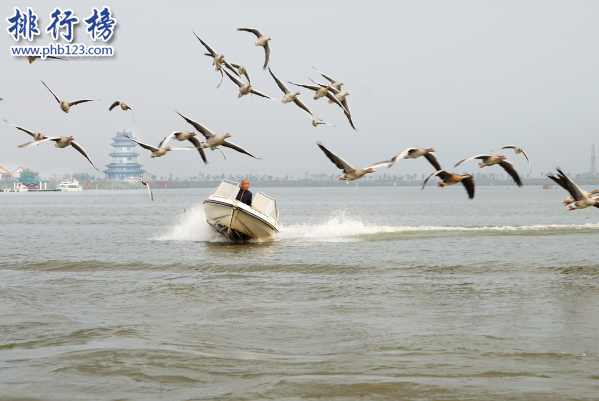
pixel 265 205
pixel 226 189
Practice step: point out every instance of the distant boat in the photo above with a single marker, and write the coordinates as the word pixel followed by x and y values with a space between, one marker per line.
pixel 238 221
pixel 69 186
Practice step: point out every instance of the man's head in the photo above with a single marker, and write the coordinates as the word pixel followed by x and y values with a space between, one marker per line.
pixel 245 185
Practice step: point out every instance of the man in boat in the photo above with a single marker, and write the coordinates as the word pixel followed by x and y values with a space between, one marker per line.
pixel 244 195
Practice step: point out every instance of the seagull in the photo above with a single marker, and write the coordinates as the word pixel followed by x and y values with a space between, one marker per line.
pixel 334 83
pixel 450 179
pixel 60 142
pixel 491 160
pixel 160 150
pixel 517 150
pixel 289 96
pixel 262 41
pixel 244 89
pixel 413 153
pixel 218 59
pixel 123 107
pixel 144 182
pixel 191 137
pixel 581 199
pixel 349 173
pixel 214 141
pixel 36 136
pixel 65 106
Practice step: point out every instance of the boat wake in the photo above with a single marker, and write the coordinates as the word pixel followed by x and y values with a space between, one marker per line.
pixel 338 227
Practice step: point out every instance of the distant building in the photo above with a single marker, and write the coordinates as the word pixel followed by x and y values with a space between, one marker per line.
pixel 124 159
pixel 60 177
pixel 6 173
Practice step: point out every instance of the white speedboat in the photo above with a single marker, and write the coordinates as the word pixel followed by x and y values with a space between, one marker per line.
pixel 69 186
pixel 238 221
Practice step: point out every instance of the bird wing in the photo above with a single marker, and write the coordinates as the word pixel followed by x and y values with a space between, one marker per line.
pixel 211 50
pixel 143 145
pixel 196 142
pixel 112 106
pixel 21 128
pixel 335 91
pixel 302 106
pixel 238 82
pixel 468 183
pixel 332 98
pixel 229 66
pixel 432 159
pixel 511 170
pixel 470 158
pixel 266 54
pixel 394 160
pixel 55 97
pixel 80 150
pixel 34 143
pixel 339 162
pixel 203 130
pixel 133 114
pixel 254 31
pixel 351 121
pixel 280 83
pixel 247 74
pixel 167 138
pixel 81 101
pixel 57 58
pixel 255 92
pixel 441 173
pixel 311 87
pixel 239 149
pixel 570 186
pixel 331 80
pixel 514 147
pixel 150 191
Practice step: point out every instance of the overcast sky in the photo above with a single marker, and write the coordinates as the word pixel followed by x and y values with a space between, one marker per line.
pixel 464 77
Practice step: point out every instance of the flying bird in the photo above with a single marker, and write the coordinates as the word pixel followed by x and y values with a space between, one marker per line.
pixel 450 179
pixel 349 173
pixel 413 153
pixel 580 199
pixel 491 160
pixel 339 99
pixel 36 136
pixel 161 149
pixel 61 142
pixel 290 96
pixel 144 182
pixel 218 59
pixel 262 41
pixel 65 106
pixel 245 89
pixel 124 107
pixel 213 141
pixel 517 150
pixel 191 137
pixel 33 58
pixel 334 83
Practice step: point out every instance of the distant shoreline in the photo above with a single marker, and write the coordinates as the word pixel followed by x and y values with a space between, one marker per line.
pixel 299 183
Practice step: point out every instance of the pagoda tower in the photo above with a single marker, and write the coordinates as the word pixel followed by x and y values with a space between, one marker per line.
pixel 124 159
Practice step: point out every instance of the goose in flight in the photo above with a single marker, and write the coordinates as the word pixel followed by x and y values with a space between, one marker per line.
pixel 315 122
pixel 349 173
pixel 290 96
pixel 61 142
pixel 217 59
pixel 334 83
pixel 262 41
pixel 33 58
pixel 36 136
pixel 161 149
pixel 124 107
pixel 66 106
pixel 517 150
pixel 338 98
pixel 491 160
pixel 245 89
pixel 450 179
pixel 413 153
pixel 213 141
pixel 144 182
pixel 580 199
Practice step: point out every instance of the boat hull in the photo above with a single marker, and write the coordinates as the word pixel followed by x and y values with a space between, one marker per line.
pixel 238 222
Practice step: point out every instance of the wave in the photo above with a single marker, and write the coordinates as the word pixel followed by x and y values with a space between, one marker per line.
pixel 338 227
